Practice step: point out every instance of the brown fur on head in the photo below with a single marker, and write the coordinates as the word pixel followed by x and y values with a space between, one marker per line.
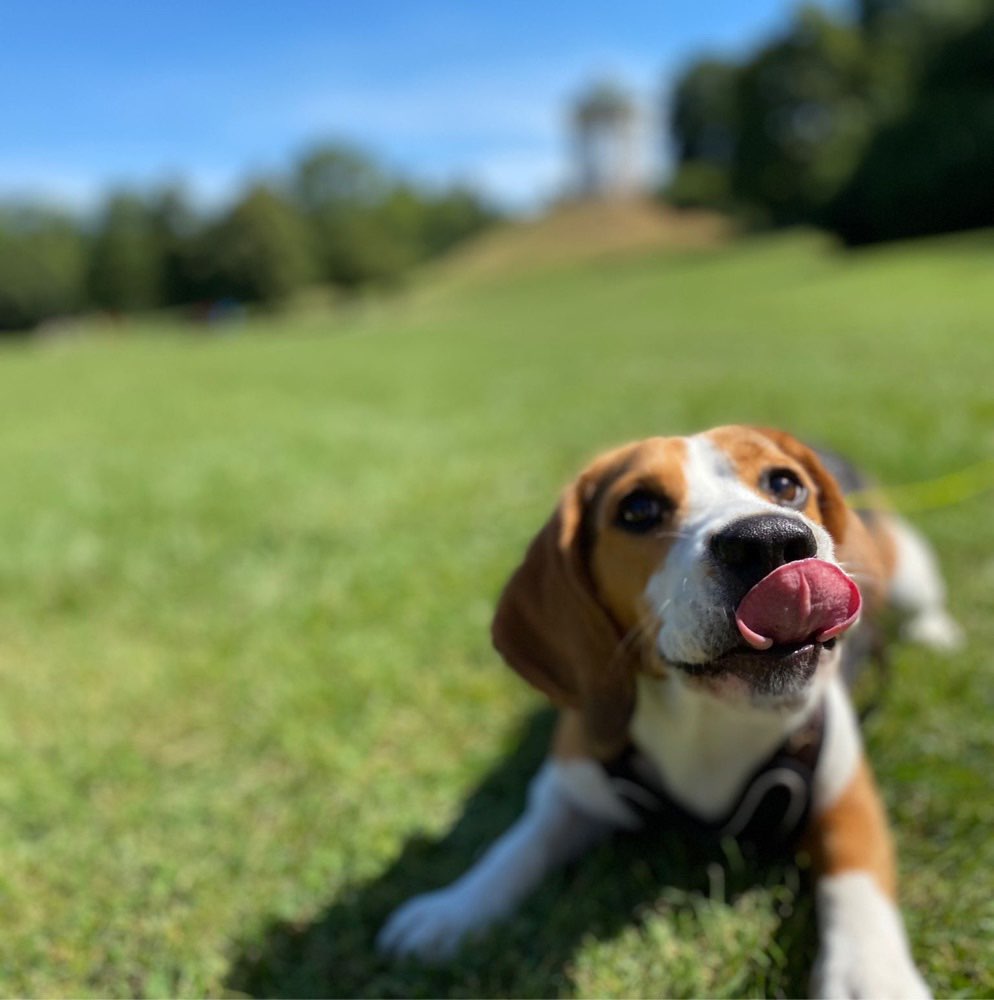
pixel 570 618
pixel 832 509
pixel 857 551
pixel 573 619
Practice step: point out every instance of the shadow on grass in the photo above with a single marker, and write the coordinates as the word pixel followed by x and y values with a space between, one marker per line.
pixel 334 955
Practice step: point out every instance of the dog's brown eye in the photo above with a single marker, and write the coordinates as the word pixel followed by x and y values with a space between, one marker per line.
pixel 641 511
pixel 784 486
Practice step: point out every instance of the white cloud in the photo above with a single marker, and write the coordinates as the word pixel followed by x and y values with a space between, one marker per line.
pixel 502 126
pixel 506 132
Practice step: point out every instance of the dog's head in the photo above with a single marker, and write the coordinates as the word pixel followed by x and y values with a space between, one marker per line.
pixel 647 560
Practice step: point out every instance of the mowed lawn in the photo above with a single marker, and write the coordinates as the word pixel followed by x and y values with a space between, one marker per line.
pixel 248 698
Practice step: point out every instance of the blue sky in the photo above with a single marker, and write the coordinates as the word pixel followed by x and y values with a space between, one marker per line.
pixel 107 92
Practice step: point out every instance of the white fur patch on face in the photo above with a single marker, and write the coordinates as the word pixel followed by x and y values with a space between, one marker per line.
pixel 685 593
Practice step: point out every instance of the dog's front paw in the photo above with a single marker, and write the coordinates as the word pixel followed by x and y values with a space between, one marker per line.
pixel 433 926
pixel 849 971
pixel 864 951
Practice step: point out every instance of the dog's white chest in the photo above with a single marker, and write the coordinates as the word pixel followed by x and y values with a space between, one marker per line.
pixel 703 748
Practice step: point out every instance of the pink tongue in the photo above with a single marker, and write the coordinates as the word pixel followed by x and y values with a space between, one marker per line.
pixel 807 600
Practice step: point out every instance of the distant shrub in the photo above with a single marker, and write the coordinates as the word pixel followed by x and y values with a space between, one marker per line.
pixel 369 228
pixel 700 184
pixel 338 219
pixel 42 266
pixel 125 270
pixel 257 252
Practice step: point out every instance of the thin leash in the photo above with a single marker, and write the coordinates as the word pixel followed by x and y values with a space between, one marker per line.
pixel 929 494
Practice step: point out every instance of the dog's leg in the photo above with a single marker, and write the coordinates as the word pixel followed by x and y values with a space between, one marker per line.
pixel 551 831
pixel 918 592
pixel 863 949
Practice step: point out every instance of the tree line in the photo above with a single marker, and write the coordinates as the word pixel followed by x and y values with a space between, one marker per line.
pixel 337 218
pixel 878 125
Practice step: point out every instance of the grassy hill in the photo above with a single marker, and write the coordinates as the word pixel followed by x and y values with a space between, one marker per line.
pixel 585 230
pixel 249 702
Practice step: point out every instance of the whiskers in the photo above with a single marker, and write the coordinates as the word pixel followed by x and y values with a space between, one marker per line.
pixel 638 644
pixel 857 572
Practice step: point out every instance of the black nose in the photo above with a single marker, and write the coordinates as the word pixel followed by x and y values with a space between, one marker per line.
pixel 752 547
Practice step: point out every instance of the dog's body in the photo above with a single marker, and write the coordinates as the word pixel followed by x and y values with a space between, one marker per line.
pixel 630 611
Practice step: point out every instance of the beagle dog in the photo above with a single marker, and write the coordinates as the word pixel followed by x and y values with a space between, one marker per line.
pixel 694 607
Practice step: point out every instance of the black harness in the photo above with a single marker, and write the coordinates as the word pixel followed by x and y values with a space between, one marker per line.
pixel 769 815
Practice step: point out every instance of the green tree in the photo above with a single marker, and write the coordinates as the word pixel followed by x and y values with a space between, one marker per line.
pixel 178 233
pixel 258 251
pixel 126 258
pixel 42 267
pixel 368 227
pixel 337 178
pixel 914 20
pixel 904 36
pixel 453 216
pixel 705 112
pixel 805 117
pixel 931 169
pixel 357 234
pixel 704 128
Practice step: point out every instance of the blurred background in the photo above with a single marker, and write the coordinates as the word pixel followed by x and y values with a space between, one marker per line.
pixel 206 159
pixel 307 312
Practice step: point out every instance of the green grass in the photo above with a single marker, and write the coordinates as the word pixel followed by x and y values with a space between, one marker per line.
pixel 249 703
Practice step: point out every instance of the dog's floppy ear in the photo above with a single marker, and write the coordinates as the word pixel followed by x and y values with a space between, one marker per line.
pixel 552 629
pixel 831 502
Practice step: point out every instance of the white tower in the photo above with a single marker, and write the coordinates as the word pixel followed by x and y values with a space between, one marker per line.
pixel 605 129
